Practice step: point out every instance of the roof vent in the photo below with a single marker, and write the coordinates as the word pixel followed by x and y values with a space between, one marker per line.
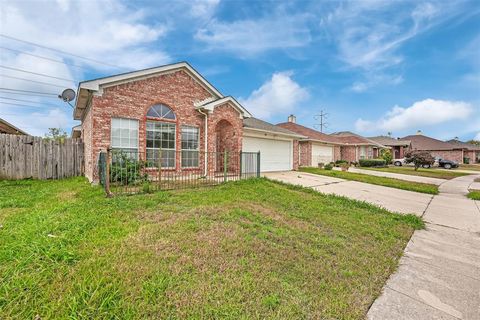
pixel 292 118
pixel 419 132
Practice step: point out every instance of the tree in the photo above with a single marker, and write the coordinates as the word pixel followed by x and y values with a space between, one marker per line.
pixel 386 155
pixel 419 158
pixel 475 142
pixel 56 134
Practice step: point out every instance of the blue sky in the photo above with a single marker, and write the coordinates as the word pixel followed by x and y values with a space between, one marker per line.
pixel 373 66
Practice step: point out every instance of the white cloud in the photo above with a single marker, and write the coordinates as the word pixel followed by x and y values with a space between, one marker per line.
pixel 477 137
pixel 250 37
pixel 423 113
pixel 280 94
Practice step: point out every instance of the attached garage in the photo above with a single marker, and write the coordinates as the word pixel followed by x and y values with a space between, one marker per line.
pixel 321 154
pixel 275 154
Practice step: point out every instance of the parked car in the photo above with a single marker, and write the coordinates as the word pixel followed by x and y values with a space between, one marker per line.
pixel 400 162
pixel 447 164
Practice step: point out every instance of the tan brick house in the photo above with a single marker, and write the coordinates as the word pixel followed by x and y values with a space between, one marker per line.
pixel 356 147
pixel 437 148
pixel 174 109
pixel 397 146
pixel 470 151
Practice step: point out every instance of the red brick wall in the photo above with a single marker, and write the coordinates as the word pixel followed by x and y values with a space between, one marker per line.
pixel 337 155
pixel 455 155
pixel 305 154
pixel 132 100
pixel 473 155
pixel 90 161
pixel 348 153
pixel 295 154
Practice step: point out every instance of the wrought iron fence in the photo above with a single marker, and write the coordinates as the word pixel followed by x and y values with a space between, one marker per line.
pixel 130 172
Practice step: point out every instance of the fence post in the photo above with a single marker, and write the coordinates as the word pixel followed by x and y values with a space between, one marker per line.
pixel 107 173
pixel 225 154
pixel 240 164
pixel 258 164
pixel 159 168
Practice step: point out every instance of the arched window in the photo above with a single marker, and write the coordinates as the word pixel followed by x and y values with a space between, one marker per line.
pixel 161 136
pixel 161 111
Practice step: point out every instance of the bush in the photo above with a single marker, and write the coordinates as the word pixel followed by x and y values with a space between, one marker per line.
pixel 339 163
pixel 328 167
pixel 126 171
pixel 371 162
pixel 386 155
pixel 419 158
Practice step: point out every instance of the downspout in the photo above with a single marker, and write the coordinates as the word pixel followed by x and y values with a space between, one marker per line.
pixel 206 141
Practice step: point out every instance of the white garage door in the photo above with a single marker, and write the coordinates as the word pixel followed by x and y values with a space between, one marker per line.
pixel 275 155
pixel 321 154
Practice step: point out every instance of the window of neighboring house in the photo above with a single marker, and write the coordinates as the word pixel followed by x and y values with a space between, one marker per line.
pixel 160 138
pixel 370 152
pixel 363 152
pixel 124 136
pixel 190 146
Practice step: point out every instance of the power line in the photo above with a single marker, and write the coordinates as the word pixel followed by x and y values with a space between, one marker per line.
pixel 45 58
pixel 41 82
pixel 24 105
pixel 21 100
pixel 36 73
pixel 322 117
pixel 57 50
pixel 27 91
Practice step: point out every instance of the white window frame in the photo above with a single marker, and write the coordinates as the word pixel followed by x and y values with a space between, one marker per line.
pixel 120 146
pixel 166 149
pixel 198 146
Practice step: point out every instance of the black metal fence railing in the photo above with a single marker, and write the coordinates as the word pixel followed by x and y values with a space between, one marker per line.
pixel 130 172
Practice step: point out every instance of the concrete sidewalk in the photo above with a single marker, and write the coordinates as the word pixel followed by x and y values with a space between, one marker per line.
pixel 392 199
pixel 439 274
pixel 400 176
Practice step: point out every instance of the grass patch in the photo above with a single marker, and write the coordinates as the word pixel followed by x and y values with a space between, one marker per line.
pixel 431 173
pixel 474 194
pixel 381 181
pixel 242 250
pixel 474 167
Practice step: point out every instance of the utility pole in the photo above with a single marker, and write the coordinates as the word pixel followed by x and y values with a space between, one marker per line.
pixel 322 117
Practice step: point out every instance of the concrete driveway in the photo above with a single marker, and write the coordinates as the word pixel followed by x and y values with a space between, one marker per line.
pixel 397 200
pixel 406 177
pixel 439 274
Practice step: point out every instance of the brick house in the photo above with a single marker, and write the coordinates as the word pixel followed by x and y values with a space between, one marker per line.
pixel 318 147
pixel 397 146
pixel 437 148
pixel 470 151
pixel 174 109
pixel 356 147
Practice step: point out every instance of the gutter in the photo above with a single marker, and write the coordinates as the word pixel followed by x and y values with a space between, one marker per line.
pixel 292 135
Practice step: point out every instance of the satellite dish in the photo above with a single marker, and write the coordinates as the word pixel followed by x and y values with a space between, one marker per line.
pixel 67 95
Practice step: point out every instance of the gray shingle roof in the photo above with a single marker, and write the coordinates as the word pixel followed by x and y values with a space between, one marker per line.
pixel 254 123
pixel 389 141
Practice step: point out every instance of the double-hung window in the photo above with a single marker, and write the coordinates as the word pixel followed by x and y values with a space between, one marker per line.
pixel 190 146
pixel 124 136
pixel 363 152
pixel 161 138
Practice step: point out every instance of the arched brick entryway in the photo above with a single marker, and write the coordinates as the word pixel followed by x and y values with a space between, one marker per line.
pixel 226 141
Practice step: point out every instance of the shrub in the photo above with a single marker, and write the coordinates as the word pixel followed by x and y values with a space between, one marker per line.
pixel 419 158
pixel 328 167
pixel 321 164
pixel 371 162
pixel 126 171
pixel 339 163
pixel 386 155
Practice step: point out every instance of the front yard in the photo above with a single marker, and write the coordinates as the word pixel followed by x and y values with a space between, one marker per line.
pixel 248 249
pixel 381 181
pixel 431 173
pixel 474 194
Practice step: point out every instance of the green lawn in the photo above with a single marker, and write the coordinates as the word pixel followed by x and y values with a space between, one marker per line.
pixel 244 250
pixel 431 173
pixel 381 181
pixel 474 194
pixel 474 167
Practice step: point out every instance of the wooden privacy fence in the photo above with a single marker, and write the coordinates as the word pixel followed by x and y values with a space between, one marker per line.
pixel 24 157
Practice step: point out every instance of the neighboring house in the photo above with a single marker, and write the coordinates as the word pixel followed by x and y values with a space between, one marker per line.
pixel 470 151
pixel 357 147
pixel 316 147
pixel 398 146
pixel 437 148
pixel 175 109
pixel 8 128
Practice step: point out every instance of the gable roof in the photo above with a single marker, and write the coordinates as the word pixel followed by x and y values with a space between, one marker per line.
pixel 209 106
pixel 8 128
pixel 421 142
pixel 464 145
pixel 389 141
pixel 260 125
pixel 96 85
pixel 349 137
pixel 310 134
